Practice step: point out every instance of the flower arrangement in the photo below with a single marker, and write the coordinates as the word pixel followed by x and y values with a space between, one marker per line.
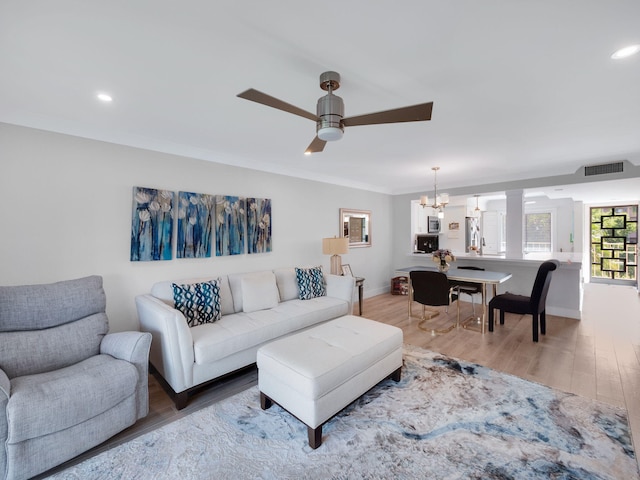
pixel 442 257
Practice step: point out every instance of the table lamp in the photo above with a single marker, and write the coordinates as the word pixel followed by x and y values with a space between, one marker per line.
pixel 334 247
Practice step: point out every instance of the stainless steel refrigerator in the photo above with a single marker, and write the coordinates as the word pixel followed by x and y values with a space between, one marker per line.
pixel 473 234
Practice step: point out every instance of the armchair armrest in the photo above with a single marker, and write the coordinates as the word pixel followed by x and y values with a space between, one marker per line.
pixel 172 345
pixel 342 287
pixel 5 386
pixel 5 392
pixel 132 347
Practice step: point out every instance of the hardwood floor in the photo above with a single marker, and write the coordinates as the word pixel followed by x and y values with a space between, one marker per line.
pixel 597 357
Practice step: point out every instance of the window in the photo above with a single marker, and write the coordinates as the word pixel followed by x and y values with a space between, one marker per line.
pixel 614 242
pixel 537 232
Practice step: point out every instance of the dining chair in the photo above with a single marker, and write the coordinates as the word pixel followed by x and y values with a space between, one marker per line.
pixel 468 288
pixel 432 288
pixel 534 305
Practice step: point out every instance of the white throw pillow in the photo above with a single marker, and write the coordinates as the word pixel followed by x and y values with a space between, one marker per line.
pixel 259 292
pixel 287 283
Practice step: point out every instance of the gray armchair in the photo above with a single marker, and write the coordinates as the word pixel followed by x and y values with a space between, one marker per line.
pixel 65 384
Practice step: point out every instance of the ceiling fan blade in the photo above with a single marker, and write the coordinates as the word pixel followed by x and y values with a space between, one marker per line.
pixel 316 146
pixel 414 113
pixel 269 101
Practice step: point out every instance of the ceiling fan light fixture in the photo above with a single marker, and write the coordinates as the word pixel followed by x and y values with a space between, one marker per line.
pixel 330 134
pixel 330 111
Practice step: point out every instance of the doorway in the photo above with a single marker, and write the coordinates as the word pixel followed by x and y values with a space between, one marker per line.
pixel 614 242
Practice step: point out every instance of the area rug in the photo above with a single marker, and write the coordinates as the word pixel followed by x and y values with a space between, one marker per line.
pixel 446 419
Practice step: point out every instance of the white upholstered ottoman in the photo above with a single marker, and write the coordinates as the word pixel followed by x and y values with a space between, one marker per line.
pixel 316 373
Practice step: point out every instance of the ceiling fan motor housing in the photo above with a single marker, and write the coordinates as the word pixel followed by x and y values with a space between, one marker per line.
pixel 330 111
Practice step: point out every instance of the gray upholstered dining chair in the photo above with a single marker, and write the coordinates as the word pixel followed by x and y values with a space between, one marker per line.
pixel 534 305
pixel 432 288
pixel 66 385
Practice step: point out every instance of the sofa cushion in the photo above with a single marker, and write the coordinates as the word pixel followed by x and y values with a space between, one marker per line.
pixel 103 381
pixel 240 331
pixel 198 302
pixel 259 292
pixel 287 283
pixel 310 283
pixel 235 284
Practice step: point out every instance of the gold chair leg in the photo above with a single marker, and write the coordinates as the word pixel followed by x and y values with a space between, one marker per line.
pixel 436 331
pixel 431 313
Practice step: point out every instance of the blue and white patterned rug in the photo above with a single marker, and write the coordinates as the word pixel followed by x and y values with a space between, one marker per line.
pixel 446 419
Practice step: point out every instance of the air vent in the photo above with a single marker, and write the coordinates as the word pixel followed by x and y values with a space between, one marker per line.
pixel 603 169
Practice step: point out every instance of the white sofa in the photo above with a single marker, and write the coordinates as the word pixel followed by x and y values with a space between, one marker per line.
pixel 256 308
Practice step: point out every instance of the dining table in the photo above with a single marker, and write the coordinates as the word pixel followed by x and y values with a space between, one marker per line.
pixel 482 277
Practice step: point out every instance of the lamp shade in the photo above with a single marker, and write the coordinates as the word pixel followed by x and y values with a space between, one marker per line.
pixel 335 245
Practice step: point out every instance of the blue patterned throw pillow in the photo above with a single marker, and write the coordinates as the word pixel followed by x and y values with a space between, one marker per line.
pixel 198 302
pixel 310 283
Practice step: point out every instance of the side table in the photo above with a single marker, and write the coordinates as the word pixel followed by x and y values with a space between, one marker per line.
pixel 360 285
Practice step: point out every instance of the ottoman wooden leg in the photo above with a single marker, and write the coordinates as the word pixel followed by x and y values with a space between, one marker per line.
pixel 395 376
pixel 265 402
pixel 315 436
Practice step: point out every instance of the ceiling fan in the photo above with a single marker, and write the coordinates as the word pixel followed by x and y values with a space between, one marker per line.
pixel 330 121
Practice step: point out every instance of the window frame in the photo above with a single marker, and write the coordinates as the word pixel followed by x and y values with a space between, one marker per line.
pixel 552 229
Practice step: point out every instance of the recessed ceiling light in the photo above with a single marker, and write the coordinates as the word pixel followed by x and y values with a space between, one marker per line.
pixel 626 52
pixel 104 97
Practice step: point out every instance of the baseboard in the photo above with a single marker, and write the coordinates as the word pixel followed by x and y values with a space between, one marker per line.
pixel 563 312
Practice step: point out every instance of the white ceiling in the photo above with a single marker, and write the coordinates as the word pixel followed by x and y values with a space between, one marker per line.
pixel 521 89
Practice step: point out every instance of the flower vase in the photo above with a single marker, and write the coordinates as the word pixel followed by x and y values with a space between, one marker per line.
pixel 443 266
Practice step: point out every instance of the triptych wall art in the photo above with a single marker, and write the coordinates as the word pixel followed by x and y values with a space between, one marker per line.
pixel 239 225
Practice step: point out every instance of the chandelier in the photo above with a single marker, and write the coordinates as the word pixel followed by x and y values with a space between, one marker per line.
pixel 439 201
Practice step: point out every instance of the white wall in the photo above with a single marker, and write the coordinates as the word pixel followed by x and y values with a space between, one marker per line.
pixel 65 211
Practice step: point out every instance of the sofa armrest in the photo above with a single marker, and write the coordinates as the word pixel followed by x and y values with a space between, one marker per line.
pixel 172 345
pixel 132 347
pixel 342 287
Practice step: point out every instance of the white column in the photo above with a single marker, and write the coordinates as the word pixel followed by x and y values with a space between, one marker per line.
pixel 515 223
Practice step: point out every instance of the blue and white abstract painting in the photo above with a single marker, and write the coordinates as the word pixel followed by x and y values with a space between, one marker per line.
pixel 259 225
pixel 195 217
pixel 230 225
pixel 151 224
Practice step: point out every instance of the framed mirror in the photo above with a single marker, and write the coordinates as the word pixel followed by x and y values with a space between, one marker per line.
pixel 356 224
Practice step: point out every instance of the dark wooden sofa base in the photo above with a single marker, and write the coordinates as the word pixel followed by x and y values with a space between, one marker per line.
pixel 181 399
pixel 315 434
